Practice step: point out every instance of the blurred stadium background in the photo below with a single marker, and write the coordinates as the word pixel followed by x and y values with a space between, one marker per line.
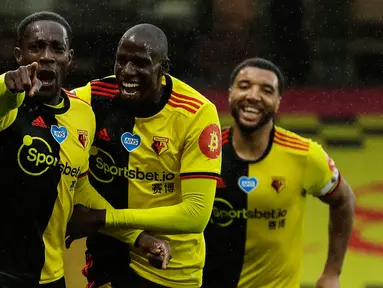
pixel 331 51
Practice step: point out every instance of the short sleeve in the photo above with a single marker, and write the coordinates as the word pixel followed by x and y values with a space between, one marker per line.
pixel 201 156
pixel 321 175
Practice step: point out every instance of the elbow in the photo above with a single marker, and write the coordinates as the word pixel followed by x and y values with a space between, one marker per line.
pixel 199 225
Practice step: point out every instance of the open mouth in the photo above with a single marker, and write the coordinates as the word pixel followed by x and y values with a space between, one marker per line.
pixel 130 88
pixel 47 77
pixel 250 113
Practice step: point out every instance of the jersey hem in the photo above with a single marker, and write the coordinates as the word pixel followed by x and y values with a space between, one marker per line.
pixel 47 281
pixel 160 281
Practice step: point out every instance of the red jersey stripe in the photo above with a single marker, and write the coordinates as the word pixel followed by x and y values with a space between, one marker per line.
pixel 185 102
pixel 282 135
pixel 187 98
pixel 181 106
pixel 104 84
pixel 114 91
pixel 200 176
pixel 291 146
pixel 297 142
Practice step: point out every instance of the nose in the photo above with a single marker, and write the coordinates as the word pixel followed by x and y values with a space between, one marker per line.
pixel 47 55
pixel 254 93
pixel 129 69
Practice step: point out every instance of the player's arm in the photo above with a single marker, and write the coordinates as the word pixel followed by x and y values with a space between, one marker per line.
pixel 200 167
pixel 86 195
pixel 324 180
pixel 12 87
pixel 88 200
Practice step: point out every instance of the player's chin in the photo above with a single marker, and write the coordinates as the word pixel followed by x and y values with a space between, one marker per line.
pixel 248 127
pixel 47 92
pixel 129 96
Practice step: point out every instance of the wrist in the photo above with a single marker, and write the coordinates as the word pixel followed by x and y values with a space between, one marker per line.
pixel 99 217
pixel 331 271
pixel 139 238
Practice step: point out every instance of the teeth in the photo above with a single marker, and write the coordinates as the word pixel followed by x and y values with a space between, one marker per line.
pixel 250 109
pixel 129 85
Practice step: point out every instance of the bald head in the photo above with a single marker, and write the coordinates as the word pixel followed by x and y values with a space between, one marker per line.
pixel 150 36
pixel 141 62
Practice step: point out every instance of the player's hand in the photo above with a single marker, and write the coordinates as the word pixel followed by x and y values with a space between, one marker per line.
pixel 23 79
pixel 157 251
pixel 84 222
pixel 328 281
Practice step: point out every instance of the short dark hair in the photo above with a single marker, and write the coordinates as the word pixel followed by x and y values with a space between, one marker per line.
pixel 42 16
pixel 261 64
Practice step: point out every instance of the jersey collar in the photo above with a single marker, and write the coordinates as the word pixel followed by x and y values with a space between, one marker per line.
pixel 267 151
pixel 31 103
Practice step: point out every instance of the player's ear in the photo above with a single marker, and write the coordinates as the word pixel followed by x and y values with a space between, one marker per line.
pixel 229 94
pixel 165 66
pixel 277 105
pixel 70 56
pixel 18 55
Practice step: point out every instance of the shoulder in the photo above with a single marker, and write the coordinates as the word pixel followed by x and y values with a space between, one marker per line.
pixel 293 143
pixel 187 100
pixel 106 86
pixel 97 88
pixel 75 100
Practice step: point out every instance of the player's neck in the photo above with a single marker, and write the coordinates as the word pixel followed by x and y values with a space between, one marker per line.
pixel 53 100
pixel 150 106
pixel 251 146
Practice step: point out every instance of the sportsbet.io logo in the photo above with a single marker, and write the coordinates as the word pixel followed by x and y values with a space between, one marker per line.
pixel 224 213
pixel 104 169
pixel 35 157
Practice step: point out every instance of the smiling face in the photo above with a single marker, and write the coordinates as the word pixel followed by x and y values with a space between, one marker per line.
pixel 254 98
pixel 138 70
pixel 46 42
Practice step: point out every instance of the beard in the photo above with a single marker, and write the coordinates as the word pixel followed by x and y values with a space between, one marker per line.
pixel 248 129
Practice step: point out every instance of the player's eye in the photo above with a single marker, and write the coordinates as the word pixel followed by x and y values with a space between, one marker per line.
pixel 243 86
pixel 142 63
pixel 59 49
pixel 34 47
pixel 121 61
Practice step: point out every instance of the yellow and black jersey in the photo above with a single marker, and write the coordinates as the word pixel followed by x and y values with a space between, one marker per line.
pixel 43 150
pixel 139 162
pixel 254 238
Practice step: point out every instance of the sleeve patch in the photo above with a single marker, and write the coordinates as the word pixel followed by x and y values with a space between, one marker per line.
pixel 329 187
pixel 210 141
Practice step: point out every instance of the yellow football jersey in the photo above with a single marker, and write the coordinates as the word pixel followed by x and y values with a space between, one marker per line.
pixel 140 162
pixel 44 150
pixel 254 238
